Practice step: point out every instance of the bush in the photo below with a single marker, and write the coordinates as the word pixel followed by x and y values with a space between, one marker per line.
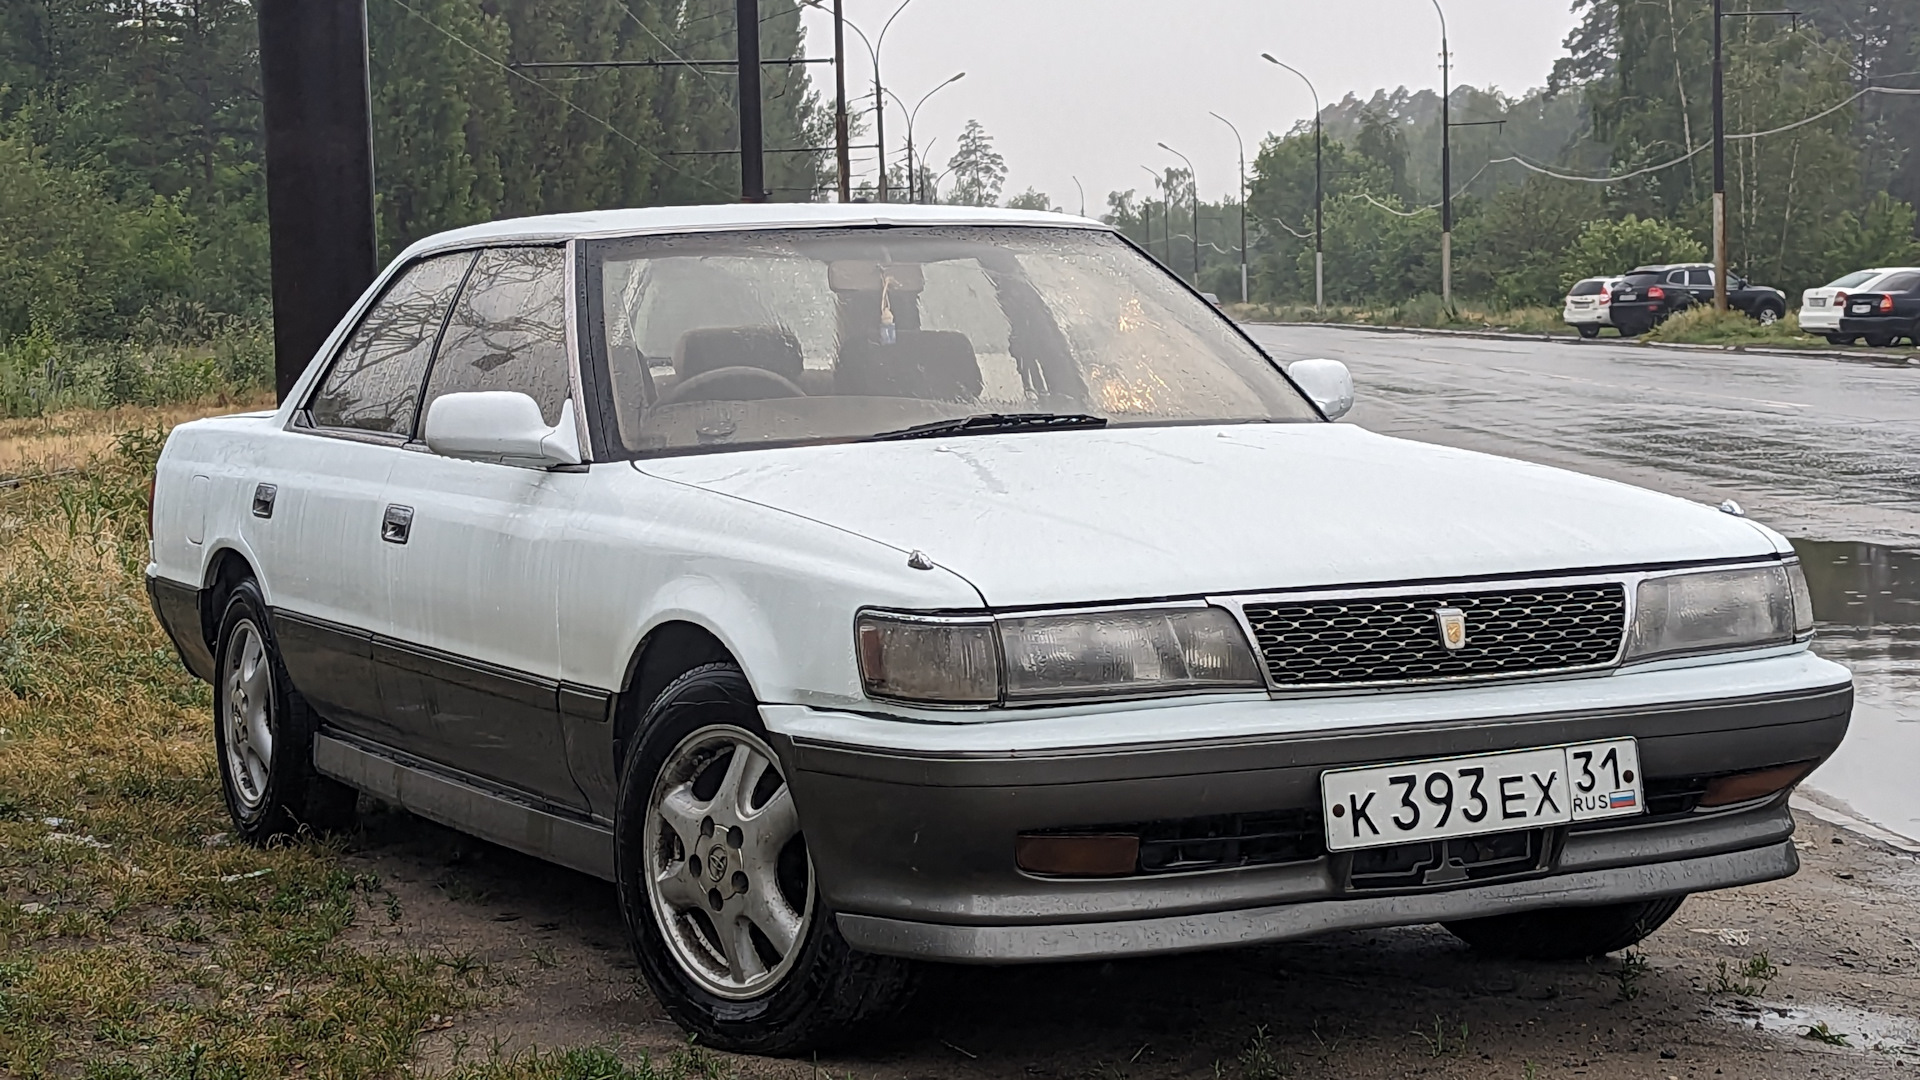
pixel 1605 248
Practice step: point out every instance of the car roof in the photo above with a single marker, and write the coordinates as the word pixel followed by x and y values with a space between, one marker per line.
pixel 742 216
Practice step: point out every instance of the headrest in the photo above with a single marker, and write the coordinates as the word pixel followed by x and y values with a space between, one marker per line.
pixel 932 365
pixel 771 347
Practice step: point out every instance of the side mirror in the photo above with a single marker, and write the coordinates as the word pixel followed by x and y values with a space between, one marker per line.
pixel 503 426
pixel 1327 382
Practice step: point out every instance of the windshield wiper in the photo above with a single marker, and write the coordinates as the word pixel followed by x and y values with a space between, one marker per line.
pixel 993 423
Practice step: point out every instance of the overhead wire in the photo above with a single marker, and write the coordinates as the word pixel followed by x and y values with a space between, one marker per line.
pixel 496 62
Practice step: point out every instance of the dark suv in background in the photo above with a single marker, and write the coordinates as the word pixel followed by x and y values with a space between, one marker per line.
pixel 1647 295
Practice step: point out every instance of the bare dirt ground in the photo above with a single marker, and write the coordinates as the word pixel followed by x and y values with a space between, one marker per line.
pixel 1730 988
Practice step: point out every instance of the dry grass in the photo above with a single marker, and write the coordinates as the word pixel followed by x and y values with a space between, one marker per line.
pixel 68 440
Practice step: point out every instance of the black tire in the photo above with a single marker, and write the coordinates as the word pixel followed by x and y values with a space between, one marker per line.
pixel 1587 331
pixel 1632 331
pixel 1572 933
pixel 1881 341
pixel 1842 339
pixel 285 796
pixel 1768 314
pixel 830 992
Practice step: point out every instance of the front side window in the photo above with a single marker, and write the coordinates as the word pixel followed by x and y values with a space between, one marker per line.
pixel 374 383
pixel 729 340
pixel 508 330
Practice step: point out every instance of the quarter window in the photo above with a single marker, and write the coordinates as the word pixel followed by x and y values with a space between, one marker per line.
pixel 374 383
pixel 509 330
pixel 1700 279
pixel 1898 283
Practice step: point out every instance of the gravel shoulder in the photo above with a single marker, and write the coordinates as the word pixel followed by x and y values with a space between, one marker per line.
pixel 1728 989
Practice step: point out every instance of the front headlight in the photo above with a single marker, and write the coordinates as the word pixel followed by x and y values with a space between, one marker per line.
pixel 1136 653
pixel 1719 611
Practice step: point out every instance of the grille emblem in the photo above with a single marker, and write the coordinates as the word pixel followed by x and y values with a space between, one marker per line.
pixel 1453 628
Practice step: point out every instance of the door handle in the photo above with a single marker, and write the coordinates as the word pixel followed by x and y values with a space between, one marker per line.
pixel 397 524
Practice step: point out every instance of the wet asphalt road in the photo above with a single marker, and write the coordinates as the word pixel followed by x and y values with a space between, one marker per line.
pixel 1826 451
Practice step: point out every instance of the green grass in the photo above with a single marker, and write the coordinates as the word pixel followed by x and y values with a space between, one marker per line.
pixel 1703 325
pixel 1425 312
pixel 133 943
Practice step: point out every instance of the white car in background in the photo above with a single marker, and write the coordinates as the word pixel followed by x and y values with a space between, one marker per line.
pixel 1820 308
pixel 1587 305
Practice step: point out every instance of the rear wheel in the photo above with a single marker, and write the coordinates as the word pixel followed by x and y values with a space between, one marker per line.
pixel 1880 341
pixel 1842 339
pixel 717 889
pixel 1573 933
pixel 1588 331
pixel 263 733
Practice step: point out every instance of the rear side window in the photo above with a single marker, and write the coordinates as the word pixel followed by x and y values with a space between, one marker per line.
pixel 1898 283
pixel 1699 278
pixel 1640 280
pixel 374 382
pixel 508 330
pixel 1677 277
pixel 1591 287
pixel 1858 277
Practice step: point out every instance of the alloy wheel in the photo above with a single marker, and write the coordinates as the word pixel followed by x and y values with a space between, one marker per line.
pixel 247 715
pixel 1768 316
pixel 725 867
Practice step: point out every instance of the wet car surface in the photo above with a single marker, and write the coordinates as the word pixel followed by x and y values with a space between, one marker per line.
pixel 1827 452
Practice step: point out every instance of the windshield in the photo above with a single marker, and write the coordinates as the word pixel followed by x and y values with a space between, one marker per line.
pixel 728 340
pixel 1858 277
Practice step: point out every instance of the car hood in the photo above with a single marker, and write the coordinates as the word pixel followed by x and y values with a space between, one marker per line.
pixel 1130 513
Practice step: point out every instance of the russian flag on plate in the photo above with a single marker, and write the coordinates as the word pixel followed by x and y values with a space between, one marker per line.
pixel 1620 799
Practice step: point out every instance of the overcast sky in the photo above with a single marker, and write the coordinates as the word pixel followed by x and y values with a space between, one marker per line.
pixel 1088 87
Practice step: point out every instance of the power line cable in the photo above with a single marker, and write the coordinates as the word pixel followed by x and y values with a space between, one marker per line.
pixel 630 140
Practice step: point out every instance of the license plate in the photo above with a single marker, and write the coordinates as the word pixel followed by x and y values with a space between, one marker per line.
pixel 1626 296
pixel 1818 301
pixel 1466 796
pixel 1862 309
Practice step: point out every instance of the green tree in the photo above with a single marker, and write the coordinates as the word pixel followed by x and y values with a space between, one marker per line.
pixel 1614 247
pixel 979 172
pixel 1511 252
pixel 1030 199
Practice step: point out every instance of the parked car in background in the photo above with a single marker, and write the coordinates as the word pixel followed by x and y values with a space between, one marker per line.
pixel 1648 295
pixel 1589 305
pixel 1885 311
pixel 859 585
pixel 1820 308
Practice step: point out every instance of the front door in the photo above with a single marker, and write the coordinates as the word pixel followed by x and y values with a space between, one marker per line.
pixel 469 665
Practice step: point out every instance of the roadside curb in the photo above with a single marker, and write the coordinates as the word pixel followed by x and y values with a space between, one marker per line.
pixel 1851 357
pixel 1805 803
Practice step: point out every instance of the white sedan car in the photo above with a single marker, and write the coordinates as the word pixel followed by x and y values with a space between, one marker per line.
pixel 1587 305
pixel 857 586
pixel 1821 308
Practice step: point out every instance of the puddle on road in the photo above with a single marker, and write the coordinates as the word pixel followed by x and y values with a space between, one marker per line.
pixel 1862 1030
pixel 1866 600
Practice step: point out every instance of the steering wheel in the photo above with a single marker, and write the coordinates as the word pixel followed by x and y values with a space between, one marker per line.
pixel 732 384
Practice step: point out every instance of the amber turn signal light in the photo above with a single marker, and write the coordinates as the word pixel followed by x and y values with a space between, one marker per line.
pixel 1746 786
pixel 1084 855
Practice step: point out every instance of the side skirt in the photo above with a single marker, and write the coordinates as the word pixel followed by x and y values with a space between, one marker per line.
pixel 500 818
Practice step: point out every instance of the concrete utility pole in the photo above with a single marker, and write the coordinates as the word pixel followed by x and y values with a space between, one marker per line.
pixel 753 171
pixel 1720 151
pixel 1446 164
pixel 319 126
pixel 843 155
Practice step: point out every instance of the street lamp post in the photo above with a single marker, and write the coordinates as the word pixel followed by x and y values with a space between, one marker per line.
pixel 1243 201
pixel 913 114
pixel 879 103
pixel 1319 231
pixel 1146 216
pixel 1193 178
pixel 1083 196
pixel 925 153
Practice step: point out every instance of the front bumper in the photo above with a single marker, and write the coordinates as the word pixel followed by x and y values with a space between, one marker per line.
pixel 912 834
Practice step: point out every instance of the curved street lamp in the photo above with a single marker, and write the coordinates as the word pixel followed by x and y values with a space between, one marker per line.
pixel 1319 275
pixel 912 115
pixel 1193 178
pixel 1146 215
pixel 879 100
pixel 1243 201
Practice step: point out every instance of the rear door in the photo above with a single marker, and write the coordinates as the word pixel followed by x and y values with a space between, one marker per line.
pixel 1700 284
pixel 469 667
pixel 316 518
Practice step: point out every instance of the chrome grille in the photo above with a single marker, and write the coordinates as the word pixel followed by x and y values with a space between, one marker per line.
pixel 1394 639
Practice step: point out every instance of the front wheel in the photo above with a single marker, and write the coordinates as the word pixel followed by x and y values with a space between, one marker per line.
pixel 1768 315
pixel 1573 933
pixel 263 733
pixel 717 889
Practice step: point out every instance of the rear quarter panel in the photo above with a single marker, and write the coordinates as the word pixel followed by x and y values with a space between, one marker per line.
pixel 201 496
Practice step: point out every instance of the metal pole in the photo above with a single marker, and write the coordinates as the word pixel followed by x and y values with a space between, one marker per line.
pixel 1083 196
pixel 1193 178
pixel 1148 204
pixel 320 209
pixel 1719 172
pixel 842 152
pixel 1319 230
pixel 1243 202
pixel 1446 165
pixel 753 175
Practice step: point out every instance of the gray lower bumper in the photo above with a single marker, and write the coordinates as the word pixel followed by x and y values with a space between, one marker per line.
pixel 1225 929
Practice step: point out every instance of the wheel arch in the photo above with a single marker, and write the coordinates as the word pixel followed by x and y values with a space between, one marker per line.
pixel 667 651
pixel 226 568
